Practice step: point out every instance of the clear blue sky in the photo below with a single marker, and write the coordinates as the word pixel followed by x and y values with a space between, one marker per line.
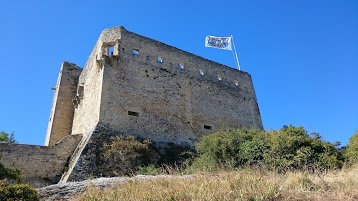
pixel 302 55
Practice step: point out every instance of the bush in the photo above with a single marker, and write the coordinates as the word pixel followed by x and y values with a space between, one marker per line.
pixel 9 173
pixel 14 192
pixel 351 152
pixel 230 149
pixel 286 149
pixel 149 170
pixel 292 148
pixel 123 155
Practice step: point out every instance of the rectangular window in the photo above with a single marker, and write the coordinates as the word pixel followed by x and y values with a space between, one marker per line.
pixel 110 51
pixel 131 113
pixel 135 51
pixel 207 127
pixel 160 59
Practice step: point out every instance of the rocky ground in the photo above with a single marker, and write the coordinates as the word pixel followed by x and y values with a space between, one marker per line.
pixel 70 190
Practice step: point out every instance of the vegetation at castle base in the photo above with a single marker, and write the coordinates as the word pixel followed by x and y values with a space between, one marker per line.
pixel 10 186
pixel 14 192
pixel 123 155
pixel 351 152
pixel 13 175
pixel 6 137
pixel 289 148
pixel 12 189
pixel 128 155
pixel 284 164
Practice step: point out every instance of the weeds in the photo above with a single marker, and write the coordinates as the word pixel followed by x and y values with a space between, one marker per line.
pixel 244 184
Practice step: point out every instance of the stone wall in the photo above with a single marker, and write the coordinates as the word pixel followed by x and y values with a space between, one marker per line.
pixel 61 116
pixel 134 85
pixel 177 99
pixel 40 165
pixel 140 86
pixel 86 114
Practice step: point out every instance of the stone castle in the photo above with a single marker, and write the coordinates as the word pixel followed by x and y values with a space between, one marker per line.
pixel 135 86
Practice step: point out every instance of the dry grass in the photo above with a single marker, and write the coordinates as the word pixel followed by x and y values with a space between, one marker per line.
pixel 238 185
pixel 333 185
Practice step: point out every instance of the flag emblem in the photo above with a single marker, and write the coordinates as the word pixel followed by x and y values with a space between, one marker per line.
pixel 218 42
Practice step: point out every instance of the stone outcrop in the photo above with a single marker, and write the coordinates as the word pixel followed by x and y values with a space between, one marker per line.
pixel 71 190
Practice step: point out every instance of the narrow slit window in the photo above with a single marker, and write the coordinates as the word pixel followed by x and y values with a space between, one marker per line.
pixel 237 83
pixel 181 66
pixel 135 51
pixel 160 59
pixel 219 77
pixel 131 113
pixel 110 51
pixel 207 127
pixel 201 72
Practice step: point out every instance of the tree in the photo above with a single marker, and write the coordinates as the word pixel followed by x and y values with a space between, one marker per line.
pixel 351 152
pixel 6 137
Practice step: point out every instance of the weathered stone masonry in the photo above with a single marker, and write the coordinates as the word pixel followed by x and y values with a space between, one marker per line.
pixel 138 86
pixel 41 165
pixel 61 116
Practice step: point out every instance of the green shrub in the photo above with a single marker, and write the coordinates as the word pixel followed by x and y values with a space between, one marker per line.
pixel 10 192
pixel 230 149
pixel 149 170
pixel 292 148
pixel 9 173
pixel 351 152
pixel 285 149
pixel 11 189
pixel 126 155
pixel 121 147
pixel 123 155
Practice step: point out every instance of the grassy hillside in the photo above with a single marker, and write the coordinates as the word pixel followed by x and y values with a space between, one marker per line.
pixel 285 164
pixel 245 184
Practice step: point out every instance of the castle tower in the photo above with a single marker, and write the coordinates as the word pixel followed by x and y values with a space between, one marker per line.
pixel 61 116
pixel 139 86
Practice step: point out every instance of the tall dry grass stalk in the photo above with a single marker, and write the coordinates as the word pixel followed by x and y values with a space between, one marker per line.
pixel 238 185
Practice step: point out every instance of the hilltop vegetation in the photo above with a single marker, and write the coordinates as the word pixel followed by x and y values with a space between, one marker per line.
pixel 285 164
pixel 243 184
pixel 289 148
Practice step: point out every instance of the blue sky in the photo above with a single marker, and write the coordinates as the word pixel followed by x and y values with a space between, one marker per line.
pixel 302 55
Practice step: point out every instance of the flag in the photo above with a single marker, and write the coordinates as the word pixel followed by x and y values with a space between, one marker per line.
pixel 218 42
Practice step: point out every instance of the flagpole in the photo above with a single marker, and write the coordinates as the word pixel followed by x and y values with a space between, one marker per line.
pixel 233 54
pixel 237 59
